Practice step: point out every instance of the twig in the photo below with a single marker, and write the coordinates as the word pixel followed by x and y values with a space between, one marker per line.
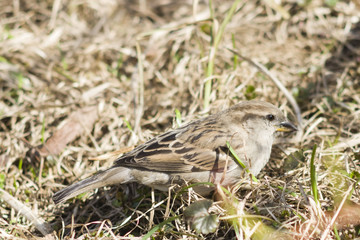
pixel 277 82
pixel 152 212
pixel 39 223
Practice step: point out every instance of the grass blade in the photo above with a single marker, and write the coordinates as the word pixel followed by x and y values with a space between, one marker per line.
pixel 240 162
pixel 214 47
pixel 313 177
pixel 158 227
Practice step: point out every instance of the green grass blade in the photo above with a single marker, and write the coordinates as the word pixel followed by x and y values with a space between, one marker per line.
pixel 158 227
pixel 128 125
pixel 239 161
pixel 313 177
pixel 43 131
pixel 217 39
pixel 178 117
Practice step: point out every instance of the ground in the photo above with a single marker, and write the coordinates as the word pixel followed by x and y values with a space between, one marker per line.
pixel 79 79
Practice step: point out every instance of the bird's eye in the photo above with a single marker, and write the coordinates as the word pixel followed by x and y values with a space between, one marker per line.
pixel 270 117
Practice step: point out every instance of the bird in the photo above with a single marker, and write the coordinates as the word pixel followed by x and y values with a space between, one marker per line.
pixel 197 152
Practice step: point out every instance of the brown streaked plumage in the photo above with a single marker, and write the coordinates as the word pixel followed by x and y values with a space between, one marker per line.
pixel 196 152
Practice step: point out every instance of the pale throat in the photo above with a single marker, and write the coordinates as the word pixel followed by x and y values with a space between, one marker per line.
pixel 258 147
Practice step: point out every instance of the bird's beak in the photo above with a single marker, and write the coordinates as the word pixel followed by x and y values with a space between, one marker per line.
pixel 286 127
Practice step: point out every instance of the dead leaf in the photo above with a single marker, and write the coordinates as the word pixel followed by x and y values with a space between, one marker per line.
pixel 349 215
pixel 72 127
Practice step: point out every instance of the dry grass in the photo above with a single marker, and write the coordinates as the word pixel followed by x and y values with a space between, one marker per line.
pixel 137 62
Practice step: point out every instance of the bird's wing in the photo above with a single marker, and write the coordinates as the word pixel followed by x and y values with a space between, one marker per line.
pixel 195 147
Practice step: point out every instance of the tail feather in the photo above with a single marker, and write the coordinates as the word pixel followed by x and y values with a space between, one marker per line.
pixel 116 175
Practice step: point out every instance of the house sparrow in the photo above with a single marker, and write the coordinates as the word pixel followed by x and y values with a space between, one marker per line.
pixel 196 152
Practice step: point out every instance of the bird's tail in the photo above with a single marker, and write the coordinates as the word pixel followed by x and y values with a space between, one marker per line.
pixel 115 175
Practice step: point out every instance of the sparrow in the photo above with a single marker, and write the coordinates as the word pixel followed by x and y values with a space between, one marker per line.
pixel 196 152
